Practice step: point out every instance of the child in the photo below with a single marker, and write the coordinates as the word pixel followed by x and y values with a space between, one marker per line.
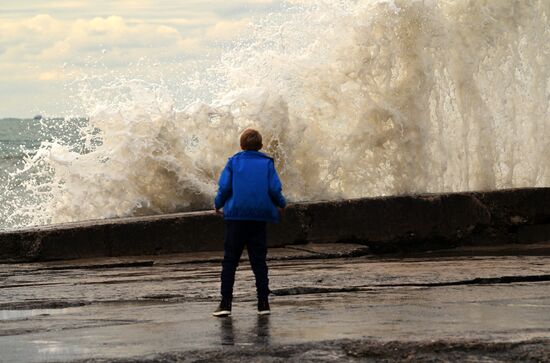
pixel 250 194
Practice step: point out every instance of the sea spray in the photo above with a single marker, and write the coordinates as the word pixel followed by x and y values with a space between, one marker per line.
pixel 355 99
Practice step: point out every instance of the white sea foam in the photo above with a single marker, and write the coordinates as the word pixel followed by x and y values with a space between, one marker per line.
pixel 357 99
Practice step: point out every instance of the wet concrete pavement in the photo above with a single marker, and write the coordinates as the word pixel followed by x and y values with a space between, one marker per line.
pixel 325 307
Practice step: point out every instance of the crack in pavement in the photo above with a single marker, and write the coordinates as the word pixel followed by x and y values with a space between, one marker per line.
pixel 42 304
pixel 33 284
pixel 100 266
pixel 304 290
pixel 477 281
pixel 357 252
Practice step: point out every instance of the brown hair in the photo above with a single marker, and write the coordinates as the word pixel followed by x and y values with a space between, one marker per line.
pixel 251 140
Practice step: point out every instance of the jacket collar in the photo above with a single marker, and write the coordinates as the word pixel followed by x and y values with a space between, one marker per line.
pixel 253 154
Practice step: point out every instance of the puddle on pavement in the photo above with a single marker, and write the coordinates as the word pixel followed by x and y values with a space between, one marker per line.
pixel 47 348
pixel 25 314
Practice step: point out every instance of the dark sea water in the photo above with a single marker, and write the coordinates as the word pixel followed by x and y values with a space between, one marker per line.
pixel 16 136
pixel 20 139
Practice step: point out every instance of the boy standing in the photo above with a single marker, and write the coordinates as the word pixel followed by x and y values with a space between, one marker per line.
pixel 250 194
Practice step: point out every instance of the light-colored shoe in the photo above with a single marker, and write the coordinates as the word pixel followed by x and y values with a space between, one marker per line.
pixel 224 309
pixel 263 307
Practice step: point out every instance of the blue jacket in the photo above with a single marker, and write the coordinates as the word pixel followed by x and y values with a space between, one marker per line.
pixel 249 188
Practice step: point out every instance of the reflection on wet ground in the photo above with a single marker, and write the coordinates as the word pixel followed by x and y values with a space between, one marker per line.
pixel 166 308
pixel 259 335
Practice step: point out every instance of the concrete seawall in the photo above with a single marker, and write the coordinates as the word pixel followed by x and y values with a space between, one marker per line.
pixel 386 224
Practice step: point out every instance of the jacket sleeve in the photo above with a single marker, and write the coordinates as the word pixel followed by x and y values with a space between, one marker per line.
pixel 224 186
pixel 275 187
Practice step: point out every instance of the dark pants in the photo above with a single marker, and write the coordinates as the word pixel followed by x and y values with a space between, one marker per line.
pixel 239 234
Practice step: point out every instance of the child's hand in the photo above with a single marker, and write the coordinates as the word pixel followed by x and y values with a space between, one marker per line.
pixel 219 212
pixel 281 211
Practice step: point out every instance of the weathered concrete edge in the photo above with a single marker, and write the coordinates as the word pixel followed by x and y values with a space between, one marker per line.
pixel 408 223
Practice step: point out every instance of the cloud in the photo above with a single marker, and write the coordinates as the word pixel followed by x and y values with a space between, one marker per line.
pixel 43 39
pixel 38 37
pixel 225 30
pixel 53 75
pixel 35 30
pixel 66 4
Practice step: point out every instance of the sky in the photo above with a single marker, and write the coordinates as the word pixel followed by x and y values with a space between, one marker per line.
pixel 43 43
